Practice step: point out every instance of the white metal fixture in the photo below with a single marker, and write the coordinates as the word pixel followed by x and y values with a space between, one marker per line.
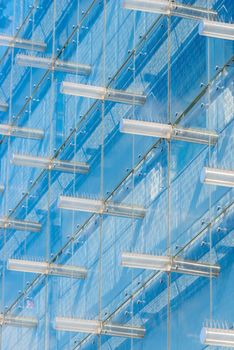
pixel 53 64
pixel 19 43
pixel 139 127
pixel 217 337
pixel 11 130
pixel 18 321
pixel 3 107
pixel 20 225
pixel 47 268
pixel 101 207
pixel 218 177
pixel 101 93
pixel 97 327
pixel 169 264
pixel 50 164
pixel 217 30
pixel 169 8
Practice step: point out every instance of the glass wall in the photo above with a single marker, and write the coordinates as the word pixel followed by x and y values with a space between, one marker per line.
pixel 117 174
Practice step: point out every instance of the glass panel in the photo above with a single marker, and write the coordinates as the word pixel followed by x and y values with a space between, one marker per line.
pixel 122 113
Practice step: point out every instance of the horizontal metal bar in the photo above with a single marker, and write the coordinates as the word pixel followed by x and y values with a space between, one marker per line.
pixel 46 268
pixel 218 177
pixel 27 133
pixel 20 225
pixel 50 164
pixel 77 325
pixel 53 64
pixel 101 93
pixel 217 30
pixel 202 136
pixel 217 337
pixel 123 331
pixel 145 128
pixel 3 107
pixel 98 327
pixel 101 207
pixel 19 43
pixel 169 8
pixel 18 321
pixel 169 264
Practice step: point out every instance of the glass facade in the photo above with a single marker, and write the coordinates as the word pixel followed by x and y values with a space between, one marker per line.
pixel 117 174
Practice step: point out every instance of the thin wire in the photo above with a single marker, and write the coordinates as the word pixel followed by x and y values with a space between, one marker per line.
pixel 209 160
pixel 6 204
pixel 169 184
pixel 5 210
pixel 102 174
pixel 47 241
pixel 133 158
pixel 27 142
pixel 74 172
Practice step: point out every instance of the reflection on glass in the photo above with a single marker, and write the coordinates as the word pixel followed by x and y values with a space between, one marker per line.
pixel 97 327
pixel 139 127
pixel 18 321
pixel 100 207
pixel 217 337
pixel 169 264
pixel 12 41
pixel 20 225
pixel 218 177
pixel 50 164
pixel 47 268
pixel 217 30
pixel 53 64
pixel 27 133
pixel 101 93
